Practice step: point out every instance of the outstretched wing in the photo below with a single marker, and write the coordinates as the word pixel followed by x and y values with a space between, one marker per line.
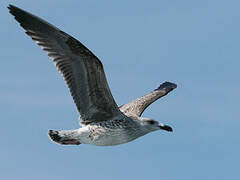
pixel 81 69
pixel 137 106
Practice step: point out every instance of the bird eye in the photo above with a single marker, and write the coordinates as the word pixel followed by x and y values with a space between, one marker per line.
pixel 151 122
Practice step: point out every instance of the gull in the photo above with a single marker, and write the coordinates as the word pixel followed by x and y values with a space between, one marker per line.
pixel 103 122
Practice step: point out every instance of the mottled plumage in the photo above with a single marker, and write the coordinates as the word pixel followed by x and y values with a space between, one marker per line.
pixel 103 123
pixel 137 106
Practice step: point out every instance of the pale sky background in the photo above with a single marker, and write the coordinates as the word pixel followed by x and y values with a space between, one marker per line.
pixel 141 44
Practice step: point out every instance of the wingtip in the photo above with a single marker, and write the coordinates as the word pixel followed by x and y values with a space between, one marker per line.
pixel 11 7
pixel 167 86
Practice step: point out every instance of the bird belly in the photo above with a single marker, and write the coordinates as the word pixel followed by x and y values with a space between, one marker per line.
pixel 109 137
pixel 111 140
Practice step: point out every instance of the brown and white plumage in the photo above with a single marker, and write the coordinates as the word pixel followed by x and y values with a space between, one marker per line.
pixel 137 106
pixel 84 75
pixel 81 69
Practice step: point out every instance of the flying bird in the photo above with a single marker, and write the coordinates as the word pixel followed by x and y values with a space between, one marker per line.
pixel 103 122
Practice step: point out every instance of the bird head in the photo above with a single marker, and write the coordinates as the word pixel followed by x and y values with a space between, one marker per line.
pixel 153 125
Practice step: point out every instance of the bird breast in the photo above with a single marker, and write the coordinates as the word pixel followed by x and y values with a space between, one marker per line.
pixel 110 133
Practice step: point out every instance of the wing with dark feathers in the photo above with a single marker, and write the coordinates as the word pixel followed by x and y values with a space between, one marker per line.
pixel 137 106
pixel 81 69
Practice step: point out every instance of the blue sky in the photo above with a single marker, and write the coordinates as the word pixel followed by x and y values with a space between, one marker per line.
pixel 141 44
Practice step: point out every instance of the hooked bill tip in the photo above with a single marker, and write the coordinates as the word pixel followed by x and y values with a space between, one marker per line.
pixel 166 128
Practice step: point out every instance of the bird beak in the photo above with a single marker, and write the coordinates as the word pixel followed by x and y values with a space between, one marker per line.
pixel 165 127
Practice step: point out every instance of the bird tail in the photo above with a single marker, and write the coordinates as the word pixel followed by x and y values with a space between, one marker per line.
pixel 62 138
